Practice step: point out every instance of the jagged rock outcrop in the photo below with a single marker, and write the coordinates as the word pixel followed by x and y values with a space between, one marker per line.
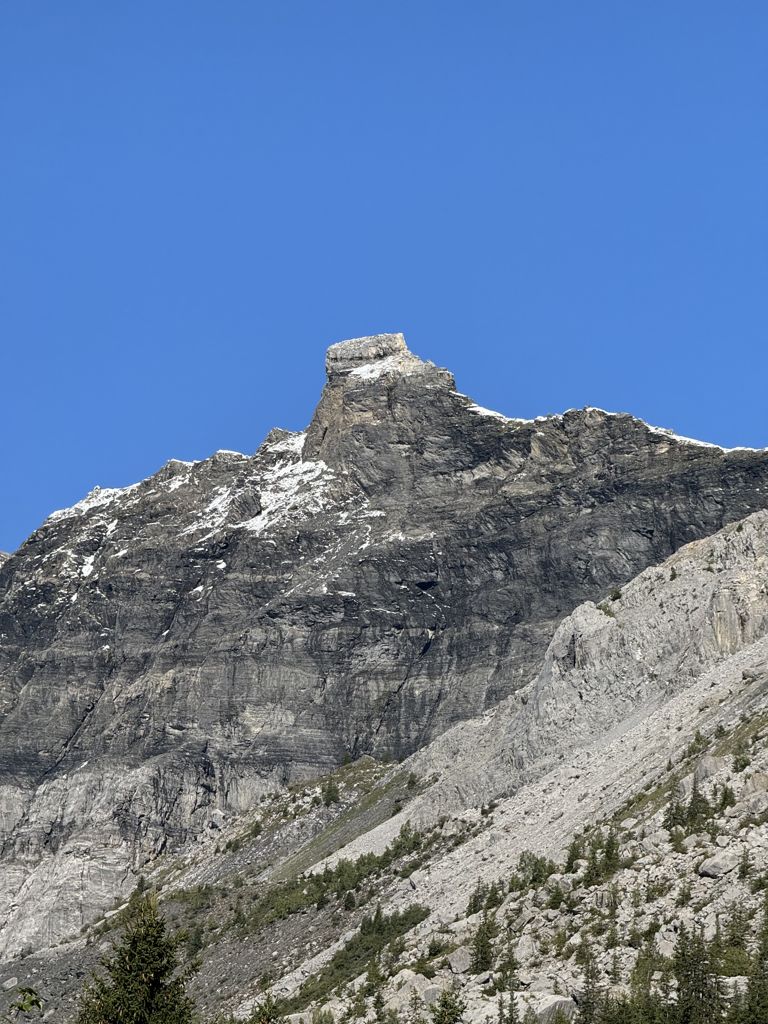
pixel 184 644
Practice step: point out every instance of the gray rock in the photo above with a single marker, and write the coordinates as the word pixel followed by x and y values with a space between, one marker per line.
pixel 547 1005
pixel 411 561
pixel 459 960
pixel 719 865
pixel 709 766
pixel 756 783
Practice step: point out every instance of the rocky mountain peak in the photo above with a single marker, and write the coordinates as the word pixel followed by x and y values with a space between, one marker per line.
pixel 346 356
pixel 187 643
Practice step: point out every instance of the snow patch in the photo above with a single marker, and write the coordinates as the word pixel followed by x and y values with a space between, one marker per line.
pixel 480 411
pixel 287 490
pixel 94 499
pixel 293 444
pixel 214 513
pixel 404 363
pixel 87 568
pixel 670 434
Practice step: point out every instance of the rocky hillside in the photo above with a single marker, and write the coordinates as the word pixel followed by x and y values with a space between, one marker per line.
pixel 173 651
pixel 618 797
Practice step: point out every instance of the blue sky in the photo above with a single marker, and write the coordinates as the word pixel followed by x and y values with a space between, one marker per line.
pixel 564 203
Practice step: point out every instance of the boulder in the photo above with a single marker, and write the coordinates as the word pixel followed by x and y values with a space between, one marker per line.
pixel 719 865
pixel 459 960
pixel 546 1005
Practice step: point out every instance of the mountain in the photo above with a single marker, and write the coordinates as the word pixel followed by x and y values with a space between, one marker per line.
pixel 643 700
pixel 174 651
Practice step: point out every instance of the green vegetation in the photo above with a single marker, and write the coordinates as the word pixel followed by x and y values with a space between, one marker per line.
pixel 449 1008
pixel 142 980
pixel 602 855
pixel 482 944
pixel 303 892
pixel 685 989
pixel 375 934
pixel 532 870
pixel 695 816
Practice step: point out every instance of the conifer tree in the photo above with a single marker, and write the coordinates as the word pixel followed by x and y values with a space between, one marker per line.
pixel 698 996
pixel 698 810
pixel 611 859
pixel 415 1009
pixel 143 981
pixel 757 988
pixel 737 1011
pixel 589 1004
pixel 482 945
pixel 266 1012
pixel 449 1008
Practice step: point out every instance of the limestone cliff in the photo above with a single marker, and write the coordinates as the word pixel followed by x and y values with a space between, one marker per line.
pixel 171 650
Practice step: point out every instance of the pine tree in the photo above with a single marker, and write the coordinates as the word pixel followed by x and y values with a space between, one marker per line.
pixel 330 793
pixel 611 859
pixel 143 982
pixel 482 945
pixel 379 1012
pixel 415 1009
pixel 699 1000
pixel 757 987
pixel 589 1004
pixel 674 816
pixel 266 1012
pixel 449 1008
pixel 699 809
pixel 374 979
pixel 507 1010
pixel 737 1011
pixel 575 852
pixel 593 873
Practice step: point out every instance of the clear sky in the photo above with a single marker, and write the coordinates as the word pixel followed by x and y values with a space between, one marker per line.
pixel 566 203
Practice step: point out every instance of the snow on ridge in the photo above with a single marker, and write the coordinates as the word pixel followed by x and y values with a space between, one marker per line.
pixel 288 489
pixel 373 370
pixel 293 444
pixel 215 512
pixel 94 499
pixel 662 431
pixel 400 362
pixel 479 410
pixel 702 444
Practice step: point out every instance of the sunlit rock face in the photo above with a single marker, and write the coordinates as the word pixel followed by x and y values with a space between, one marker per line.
pixel 177 647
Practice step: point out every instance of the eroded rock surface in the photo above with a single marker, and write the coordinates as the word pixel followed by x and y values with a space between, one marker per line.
pixel 176 648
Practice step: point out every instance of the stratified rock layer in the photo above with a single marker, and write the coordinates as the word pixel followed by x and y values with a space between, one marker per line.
pixel 181 645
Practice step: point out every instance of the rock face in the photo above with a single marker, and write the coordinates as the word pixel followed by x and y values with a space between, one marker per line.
pixel 182 645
